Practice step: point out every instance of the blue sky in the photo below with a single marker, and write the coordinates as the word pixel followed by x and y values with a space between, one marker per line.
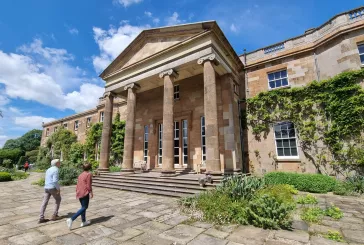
pixel 51 52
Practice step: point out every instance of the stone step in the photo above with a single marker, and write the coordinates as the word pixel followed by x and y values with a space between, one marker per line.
pixel 146 187
pixel 147 191
pixel 156 182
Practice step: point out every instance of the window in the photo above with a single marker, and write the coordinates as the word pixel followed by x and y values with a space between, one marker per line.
pixel 97 155
pixel 65 125
pixel 146 143
pixel 176 142
pixel 361 53
pixel 203 140
pixel 102 116
pixel 76 124
pixel 160 137
pixel 88 122
pixel 236 89
pixel 47 132
pixel 278 79
pixel 55 129
pixel 185 141
pixel 176 92
pixel 285 136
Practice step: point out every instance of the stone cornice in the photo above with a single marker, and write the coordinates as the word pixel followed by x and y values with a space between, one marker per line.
pixel 169 72
pixel 210 57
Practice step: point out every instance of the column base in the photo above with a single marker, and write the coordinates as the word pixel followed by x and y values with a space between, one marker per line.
pixel 213 173
pixel 168 173
pixel 103 169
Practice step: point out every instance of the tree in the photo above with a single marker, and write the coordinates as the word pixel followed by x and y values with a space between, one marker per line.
pixel 59 143
pixel 76 154
pixel 28 142
pixel 12 144
pixel 13 155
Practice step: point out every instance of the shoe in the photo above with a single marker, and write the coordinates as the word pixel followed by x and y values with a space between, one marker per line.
pixel 40 221
pixel 86 223
pixel 54 217
pixel 69 223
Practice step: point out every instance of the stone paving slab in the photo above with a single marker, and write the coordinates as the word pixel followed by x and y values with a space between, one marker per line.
pixel 119 217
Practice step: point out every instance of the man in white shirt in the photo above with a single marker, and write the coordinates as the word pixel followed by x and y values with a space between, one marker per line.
pixel 51 188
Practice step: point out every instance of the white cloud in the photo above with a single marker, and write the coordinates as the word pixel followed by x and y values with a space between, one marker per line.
pixel 86 98
pixel 44 75
pixel 233 28
pixel 150 15
pixel 3 139
pixel 173 20
pixel 73 31
pixel 156 21
pixel 31 122
pixel 3 99
pixel 147 13
pixel 126 3
pixel 112 42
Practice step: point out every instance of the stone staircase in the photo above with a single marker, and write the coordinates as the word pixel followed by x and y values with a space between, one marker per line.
pixel 152 183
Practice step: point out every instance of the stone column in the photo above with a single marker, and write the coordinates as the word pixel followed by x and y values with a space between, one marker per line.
pixel 106 132
pixel 128 159
pixel 210 108
pixel 168 123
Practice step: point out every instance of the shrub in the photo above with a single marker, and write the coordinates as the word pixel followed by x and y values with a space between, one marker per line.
pixel 114 169
pixel 267 212
pixel 4 176
pixel 335 236
pixel 40 182
pixel 334 212
pixel 316 183
pixel 68 176
pixel 312 215
pixel 344 189
pixel 16 175
pixel 240 187
pixel 308 199
pixel 357 183
pixel 281 193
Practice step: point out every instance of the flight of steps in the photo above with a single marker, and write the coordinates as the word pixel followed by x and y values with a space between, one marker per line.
pixel 153 184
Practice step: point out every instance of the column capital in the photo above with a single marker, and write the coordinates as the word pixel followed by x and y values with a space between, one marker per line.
pixel 169 72
pixel 210 57
pixel 133 86
pixel 108 94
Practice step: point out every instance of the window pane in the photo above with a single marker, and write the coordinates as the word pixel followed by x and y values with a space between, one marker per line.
pixel 292 133
pixel 203 141
pixel 285 143
pixel 204 150
pixel 185 142
pixel 160 152
pixel 203 121
pixel 287 152
pixel 146 145
pixel 280 151
pixel 292 142
pixel 185 132
pixel 176 143
pixel 185 159
pixel 176 160
pixel 176 151
pixel 294 151
pixel 284 133
pixel 271 76
pixel 284 73
pixel 278 83
pixel 362 59
pixel 272 84
pixel 185 151
pixel 277 75
pixel 203 158
pixel 279 143
pixel 361 49
pixel 284 82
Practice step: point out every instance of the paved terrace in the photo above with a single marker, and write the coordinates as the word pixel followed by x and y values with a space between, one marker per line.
pixel 120 217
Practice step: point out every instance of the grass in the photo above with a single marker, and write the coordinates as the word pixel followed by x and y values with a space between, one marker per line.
pixel 335 236
pixel 308 199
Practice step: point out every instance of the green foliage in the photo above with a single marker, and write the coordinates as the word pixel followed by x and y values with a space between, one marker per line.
pixel 268 212
pixel 8 163
pixel 31 156
pixel 240 187
pixel 60 143
pixel 68 176
pixel 5 176
pixel 335 236
pixel 281 193
pixel 344 188
pixel 40 182
pixel 312 214
pixel 44 158
pixel 93 138
pixel 12 144
pixel 114 169
pixel 18 175
pixel 117 139
pixel 21 161
pixel 28 142
pixel 316 183
pixel 308 199
pixel 328 117
pixel 12 154
pixel 334 212
pixel 76 154
pixel 357 183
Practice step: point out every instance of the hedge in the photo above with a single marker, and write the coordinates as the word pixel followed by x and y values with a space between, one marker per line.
pixel 4 176
pixel 316 183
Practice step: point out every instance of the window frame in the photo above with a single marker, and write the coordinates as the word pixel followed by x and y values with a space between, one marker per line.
pixel 176 92
pixel 47 132
pixel 146 141
pixel 360 54
pixel 176 138
pixel 55 129
pixel 285 86
pixel 102 116
pixel 184 126
pixel 65 125
pixel 203 136
pixel 76 123
pixel 275 143
pixel 160 143
pixel 88 122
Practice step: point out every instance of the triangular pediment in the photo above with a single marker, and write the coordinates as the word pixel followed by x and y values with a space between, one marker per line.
pixel 153 41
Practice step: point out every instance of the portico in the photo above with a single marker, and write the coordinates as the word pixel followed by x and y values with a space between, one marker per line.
pixel 180 84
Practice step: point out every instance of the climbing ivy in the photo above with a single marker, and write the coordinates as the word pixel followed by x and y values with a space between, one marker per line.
pixel 328 117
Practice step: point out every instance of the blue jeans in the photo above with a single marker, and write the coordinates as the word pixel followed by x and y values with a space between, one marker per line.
pixel 82 211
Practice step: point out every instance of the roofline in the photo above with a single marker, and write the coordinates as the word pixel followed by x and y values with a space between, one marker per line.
pixel 311 30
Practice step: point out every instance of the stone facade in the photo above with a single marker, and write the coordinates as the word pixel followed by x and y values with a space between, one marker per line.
pixel 213 81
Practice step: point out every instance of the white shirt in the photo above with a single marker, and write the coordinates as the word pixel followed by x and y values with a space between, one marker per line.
pixel 51 178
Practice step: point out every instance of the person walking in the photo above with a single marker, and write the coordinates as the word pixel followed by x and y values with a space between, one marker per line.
pixel 51 188
pixel 83 193
pixel 26 166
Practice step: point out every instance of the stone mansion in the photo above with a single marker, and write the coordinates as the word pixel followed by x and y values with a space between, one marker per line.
pixel 181 88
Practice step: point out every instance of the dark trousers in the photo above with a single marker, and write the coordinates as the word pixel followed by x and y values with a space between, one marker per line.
pixel 82 211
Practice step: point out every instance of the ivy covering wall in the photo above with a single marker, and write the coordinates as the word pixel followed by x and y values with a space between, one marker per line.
pixel 328 117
